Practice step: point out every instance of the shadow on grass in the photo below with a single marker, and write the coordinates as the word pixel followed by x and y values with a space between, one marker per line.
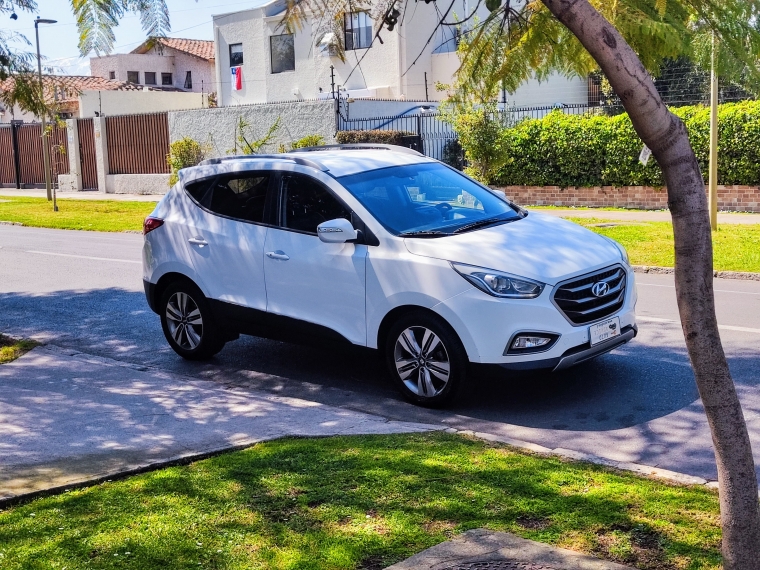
pixel 358 502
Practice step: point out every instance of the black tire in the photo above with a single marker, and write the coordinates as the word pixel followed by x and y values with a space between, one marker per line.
pixel 421 377
pixel 188 323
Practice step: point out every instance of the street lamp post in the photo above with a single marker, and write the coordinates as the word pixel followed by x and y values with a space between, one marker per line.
pixel 45 149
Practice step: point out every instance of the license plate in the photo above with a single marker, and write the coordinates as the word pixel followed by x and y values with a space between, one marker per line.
pixel 604 331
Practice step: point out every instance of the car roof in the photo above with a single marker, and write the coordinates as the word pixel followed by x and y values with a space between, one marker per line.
pixel 335 160
pixel 342 162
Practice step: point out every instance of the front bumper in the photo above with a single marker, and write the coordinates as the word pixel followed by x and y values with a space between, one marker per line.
pixel 576 355
pixel 487 324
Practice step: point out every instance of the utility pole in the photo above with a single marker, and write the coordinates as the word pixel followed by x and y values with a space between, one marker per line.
pixel 45 149
pixel 713 177
pixel 332 80
pixel 426 89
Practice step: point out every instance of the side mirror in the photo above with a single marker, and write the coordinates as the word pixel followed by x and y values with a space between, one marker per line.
pixel 338 230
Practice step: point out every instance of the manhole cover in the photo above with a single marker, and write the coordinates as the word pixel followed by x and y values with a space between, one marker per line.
pixel 498 565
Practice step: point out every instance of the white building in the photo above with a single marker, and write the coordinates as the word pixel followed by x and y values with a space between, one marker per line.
pixel 277 66
pixel 168 63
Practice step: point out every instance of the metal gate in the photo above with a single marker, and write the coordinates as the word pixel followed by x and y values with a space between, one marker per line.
pixel 31 164
pixel 7 169
pixel 87 162
pixel 138 144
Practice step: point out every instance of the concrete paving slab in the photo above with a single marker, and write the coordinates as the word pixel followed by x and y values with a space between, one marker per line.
pixel 67 418
pixel 479 547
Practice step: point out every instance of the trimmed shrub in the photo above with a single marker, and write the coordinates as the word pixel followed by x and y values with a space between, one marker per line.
pixel 376 136
pixel 307 141
pixel 569 150
pixel 182 154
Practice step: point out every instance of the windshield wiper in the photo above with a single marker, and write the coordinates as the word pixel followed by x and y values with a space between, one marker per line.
pixel 424 233
pixel 480 224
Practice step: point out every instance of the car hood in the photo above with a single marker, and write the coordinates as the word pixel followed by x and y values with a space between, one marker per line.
pixel 540 247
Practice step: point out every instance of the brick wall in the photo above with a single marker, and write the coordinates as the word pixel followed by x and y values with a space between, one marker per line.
pixel 730 198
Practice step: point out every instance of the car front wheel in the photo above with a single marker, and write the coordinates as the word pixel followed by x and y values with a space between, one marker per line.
pixel 426 359
pixel 187 322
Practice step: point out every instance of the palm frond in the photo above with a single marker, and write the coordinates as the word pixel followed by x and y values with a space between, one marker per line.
pixel 96 20
pixel 154 16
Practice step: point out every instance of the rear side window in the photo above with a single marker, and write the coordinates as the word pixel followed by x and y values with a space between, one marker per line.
pixel 239 196
pixel 306 204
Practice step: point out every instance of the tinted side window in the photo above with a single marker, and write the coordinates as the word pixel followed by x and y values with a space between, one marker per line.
pixel 306 204
pixel 236 196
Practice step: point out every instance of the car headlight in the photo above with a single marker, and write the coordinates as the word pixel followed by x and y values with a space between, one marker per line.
pixel 621 249
pixel 499 284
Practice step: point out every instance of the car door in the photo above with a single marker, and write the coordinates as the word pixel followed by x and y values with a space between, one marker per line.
pixel 307 279
pixel 226 233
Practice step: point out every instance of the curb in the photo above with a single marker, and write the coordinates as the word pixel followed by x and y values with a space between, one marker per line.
pixel 645 470
pixel 745 276
pixel 673 477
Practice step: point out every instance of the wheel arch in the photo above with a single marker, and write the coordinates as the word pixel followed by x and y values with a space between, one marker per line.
pixel 165 280
pixel 397 312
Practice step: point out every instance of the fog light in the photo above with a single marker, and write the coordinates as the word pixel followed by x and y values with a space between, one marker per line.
pixel 528 342
pixel 523 342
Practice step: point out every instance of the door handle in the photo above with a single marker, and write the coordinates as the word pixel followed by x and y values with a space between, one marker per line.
pixel 199 241
pixel 279 254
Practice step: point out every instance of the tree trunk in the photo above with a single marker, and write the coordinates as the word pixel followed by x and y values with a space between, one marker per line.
pixel 666 136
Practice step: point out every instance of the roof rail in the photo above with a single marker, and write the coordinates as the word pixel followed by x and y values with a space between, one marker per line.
pixel 296 159
pixel 358 146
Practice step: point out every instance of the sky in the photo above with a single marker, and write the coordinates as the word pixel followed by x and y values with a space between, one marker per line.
pixel 58 42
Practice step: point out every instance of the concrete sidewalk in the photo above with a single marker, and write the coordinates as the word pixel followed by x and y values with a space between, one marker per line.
pixel 84 195
pixel 729 218
pixel 67 418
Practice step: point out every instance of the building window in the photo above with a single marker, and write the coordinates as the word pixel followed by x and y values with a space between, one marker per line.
pixel 283 53
pixel 166 79
pixel 358 30
pixel 189 80
pixel 111 75
pixel 133 76
pixel 150 78
pixel 236 55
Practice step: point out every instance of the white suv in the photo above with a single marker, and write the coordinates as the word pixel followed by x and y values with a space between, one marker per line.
pixel 382 247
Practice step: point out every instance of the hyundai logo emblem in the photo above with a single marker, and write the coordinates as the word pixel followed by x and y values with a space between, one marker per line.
pixel 600 289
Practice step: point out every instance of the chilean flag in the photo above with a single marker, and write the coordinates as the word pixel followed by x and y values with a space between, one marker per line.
pixel 237 78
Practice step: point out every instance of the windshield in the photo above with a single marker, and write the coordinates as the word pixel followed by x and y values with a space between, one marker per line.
pixel 427 200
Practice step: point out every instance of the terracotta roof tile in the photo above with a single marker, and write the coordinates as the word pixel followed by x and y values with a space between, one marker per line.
pixel 203 49
pixel 67 87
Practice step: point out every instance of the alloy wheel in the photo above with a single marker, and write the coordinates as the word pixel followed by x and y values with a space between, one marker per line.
pixel 184 320
pixel 422 362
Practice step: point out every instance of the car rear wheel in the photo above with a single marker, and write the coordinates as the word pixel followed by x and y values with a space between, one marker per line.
pixel 426 359
pixel 188 324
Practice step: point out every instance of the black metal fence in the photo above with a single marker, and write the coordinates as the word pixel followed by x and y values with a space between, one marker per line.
pixel 438 138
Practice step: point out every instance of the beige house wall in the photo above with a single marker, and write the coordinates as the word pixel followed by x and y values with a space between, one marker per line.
pixel 172 61
pixel 109 103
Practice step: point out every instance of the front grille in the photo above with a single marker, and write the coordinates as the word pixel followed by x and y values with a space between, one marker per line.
pixel 575 299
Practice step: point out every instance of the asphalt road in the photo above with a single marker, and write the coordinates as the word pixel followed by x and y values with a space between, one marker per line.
pixel 83 290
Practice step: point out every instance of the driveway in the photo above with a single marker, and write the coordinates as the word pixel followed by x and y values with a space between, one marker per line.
pixel 83 290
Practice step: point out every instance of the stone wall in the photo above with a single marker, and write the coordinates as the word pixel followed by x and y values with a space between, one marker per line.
pixel 730 198
pixel 217 127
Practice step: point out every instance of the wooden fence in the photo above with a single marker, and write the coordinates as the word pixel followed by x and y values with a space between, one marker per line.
pixel 29 157
pixel 138 144
pixel 87 161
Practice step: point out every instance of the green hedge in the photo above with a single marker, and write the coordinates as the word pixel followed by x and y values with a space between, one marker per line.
pixel 375 136
pixel 568 150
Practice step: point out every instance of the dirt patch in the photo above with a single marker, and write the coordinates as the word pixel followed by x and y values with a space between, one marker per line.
pixel 533 522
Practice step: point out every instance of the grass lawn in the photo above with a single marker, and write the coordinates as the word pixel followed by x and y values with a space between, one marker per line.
pixel 11 349
pixel 96 215
pixel 736 247
pixel 359 502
